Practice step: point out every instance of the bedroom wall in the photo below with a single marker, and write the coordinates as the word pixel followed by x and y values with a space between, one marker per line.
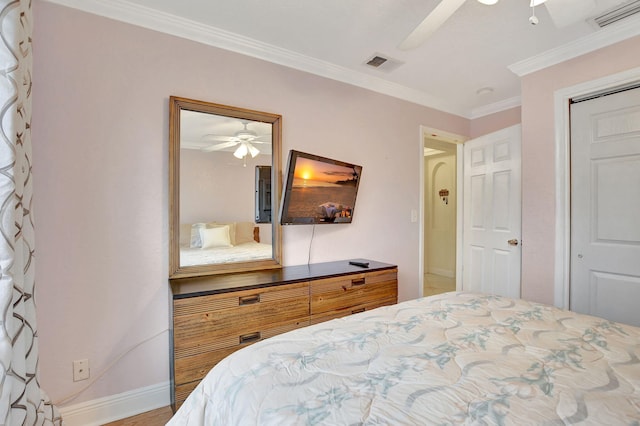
pixel 100 142
pixel 494 122
pixel 538 153
pixel 205 179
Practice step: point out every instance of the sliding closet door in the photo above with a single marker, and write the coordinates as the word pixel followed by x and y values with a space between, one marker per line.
pixel 605 207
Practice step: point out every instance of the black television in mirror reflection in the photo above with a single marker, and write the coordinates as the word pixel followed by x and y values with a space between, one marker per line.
pixel 318 190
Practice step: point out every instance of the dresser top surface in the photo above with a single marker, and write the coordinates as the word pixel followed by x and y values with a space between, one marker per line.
pixel 212 284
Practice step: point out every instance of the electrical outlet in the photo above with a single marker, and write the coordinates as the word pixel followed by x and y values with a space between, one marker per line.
pixel 80 370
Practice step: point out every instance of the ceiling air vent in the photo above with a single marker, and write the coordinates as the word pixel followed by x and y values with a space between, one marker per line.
pixel 382 62
pixel 376 61
pixel 617 13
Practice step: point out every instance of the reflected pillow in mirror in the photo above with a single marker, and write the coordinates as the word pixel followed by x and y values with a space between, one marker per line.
pixel 215 237
pixel 196 241
pixel 232 230
pixel 244 232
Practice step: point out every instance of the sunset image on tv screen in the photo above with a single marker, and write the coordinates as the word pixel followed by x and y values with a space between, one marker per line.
pixel 323 191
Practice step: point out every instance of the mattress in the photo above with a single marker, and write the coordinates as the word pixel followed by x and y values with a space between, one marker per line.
pixel 457 358
pixel 239 253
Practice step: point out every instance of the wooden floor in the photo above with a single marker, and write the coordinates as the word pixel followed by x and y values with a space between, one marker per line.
pixel 436 284
pixel 157 417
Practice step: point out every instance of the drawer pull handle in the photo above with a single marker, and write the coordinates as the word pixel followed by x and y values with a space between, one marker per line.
pixel 249 300
pixel 248 338
pixel 359 281
pixel 357 311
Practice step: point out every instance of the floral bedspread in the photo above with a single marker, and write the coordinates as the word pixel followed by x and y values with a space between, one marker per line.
pixel 457 358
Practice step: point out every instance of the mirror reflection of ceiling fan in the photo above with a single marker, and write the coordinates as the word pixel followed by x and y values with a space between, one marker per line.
pixel 245 140
pixel 563 13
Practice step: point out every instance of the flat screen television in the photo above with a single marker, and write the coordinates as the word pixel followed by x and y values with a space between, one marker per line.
pixel 318 190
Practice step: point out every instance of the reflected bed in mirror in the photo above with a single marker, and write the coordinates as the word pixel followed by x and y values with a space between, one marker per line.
pixel 215 151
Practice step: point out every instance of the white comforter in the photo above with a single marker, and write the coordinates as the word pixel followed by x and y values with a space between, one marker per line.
pixel 447 359
pixel 239 253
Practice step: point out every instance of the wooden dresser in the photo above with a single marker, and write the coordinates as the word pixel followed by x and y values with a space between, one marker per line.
pixel 216 315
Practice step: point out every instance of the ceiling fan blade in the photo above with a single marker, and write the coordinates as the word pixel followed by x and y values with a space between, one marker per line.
pixel 219 138
pixel 431 23
pixel 219 146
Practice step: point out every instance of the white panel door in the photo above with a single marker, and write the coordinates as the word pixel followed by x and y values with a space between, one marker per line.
pixel 492 213
pixel 605 207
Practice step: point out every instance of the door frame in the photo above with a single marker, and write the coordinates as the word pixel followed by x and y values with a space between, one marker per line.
pixel 458 140
pixel 562 127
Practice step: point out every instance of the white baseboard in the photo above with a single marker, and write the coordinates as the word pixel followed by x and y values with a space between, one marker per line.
pixel 442 272
pixel 115 407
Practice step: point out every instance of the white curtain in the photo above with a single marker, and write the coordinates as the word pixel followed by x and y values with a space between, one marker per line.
pixel 22 402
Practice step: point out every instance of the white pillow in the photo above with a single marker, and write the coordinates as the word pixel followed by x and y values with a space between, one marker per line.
pixel 232 230
pixel 215 237
pixel 196 241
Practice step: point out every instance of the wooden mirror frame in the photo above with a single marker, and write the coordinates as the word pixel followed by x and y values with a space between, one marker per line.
pixel 176 105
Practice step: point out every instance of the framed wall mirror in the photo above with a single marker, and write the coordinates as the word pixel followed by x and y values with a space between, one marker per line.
pixel 215 152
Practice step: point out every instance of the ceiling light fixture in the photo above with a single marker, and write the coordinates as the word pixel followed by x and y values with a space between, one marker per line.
pixel 489 2
pixel 253 150
pixel 533 19
pixel 245 148
pixel 241 151
pixel 484 90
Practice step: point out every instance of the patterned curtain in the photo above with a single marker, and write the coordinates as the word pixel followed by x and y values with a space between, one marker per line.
pixel 22 402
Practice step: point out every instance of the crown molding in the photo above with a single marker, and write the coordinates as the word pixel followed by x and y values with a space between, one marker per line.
pixel 607 36
pixel 145 17
pixel 495 107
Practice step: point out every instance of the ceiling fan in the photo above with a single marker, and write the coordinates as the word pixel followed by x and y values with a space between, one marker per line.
pixel 439 15
pixel 244 139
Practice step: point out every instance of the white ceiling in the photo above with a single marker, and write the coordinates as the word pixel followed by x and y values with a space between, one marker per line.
pixel 473 50
pixel 205 131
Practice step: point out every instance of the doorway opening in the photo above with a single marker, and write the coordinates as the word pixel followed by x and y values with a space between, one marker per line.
pixel 440 211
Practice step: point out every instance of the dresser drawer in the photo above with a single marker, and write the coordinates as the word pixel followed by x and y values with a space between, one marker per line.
pixel 195 367
pixel 181 393
pixel 339 313
pixel 347 292
pixel 210 323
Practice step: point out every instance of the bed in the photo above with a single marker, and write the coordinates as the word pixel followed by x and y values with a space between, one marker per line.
pixel 456 358
pixel 243 252
pixel 221 242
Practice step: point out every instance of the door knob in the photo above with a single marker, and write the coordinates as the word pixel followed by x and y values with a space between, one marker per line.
pixel 513 242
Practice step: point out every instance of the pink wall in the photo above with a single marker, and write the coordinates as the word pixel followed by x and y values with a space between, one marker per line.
pixel 538 156
pixel 100 142
pixel 205 183
pixel 493 122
